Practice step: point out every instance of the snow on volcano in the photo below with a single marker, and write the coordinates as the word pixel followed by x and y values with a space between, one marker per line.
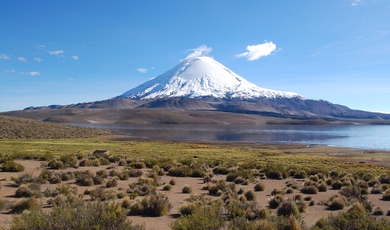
pixel 198 77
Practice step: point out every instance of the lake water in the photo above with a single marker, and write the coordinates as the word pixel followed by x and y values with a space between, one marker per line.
pixel 352 136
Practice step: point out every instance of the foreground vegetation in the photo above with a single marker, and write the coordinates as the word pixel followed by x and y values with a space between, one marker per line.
pixel 230 203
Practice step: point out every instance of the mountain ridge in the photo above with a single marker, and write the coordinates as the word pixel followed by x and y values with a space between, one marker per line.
pixel 203 84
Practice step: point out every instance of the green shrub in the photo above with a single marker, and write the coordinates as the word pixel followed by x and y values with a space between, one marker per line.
pixel 288 208
pixel 188 208
pixel 103 161
pixel 204 217
pixel 69 160
pixel 95 215
pixel 12 166
pixel 55 164
pixel 337 202
pixel 275 171
pixel 156 205
pixel 354 218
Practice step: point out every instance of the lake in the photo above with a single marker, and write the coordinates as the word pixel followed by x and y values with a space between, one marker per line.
pixel 352 136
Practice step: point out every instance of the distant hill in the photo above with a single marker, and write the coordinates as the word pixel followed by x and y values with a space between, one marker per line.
pixel 20 128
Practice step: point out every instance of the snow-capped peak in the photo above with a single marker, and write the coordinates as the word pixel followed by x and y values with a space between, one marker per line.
pixel 197 77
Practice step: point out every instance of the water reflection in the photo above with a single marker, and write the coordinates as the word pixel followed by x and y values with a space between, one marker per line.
pixel 354 136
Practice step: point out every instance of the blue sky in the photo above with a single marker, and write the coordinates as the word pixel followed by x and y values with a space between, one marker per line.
pixel 64 52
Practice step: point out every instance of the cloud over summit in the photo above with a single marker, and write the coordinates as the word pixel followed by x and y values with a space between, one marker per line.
pixel 199 52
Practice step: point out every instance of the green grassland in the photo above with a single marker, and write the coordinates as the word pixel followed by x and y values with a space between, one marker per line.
pixel 291 157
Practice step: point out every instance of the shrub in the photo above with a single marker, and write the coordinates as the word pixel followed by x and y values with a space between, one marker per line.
pixel 104 161
pixel 205 217
pixel 186 189
pixel 337 202
pixel 96 215
pixel 23 179
pixel 25 204
pixel 188 208
pixel 300 174
pixel 126 202
pixel 55 179
pixel 24 191
pixel 355 218
pixel 314 178
pixel 259 186
pixel 289 191
pixel 275 171
pixel 167 187
pixel 111 183
pixel 275 201
pixel 376 189
pixel 156 205
pixel 69 160
pixel 56 164
pixel 85 162
pixel 172 182
pixel 12 166
pixel 288 208
pixel 378 212
pixel 45 175
pixel 250 195
pixel 309 190
pixel 133 172
pixel 386 195
pixel 322 187
pixel 221 170
pixel 239 180
pixel 337 185
pixel 351 191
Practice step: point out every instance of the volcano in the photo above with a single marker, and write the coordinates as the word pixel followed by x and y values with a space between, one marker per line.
pixel 200 77
pixel 203 85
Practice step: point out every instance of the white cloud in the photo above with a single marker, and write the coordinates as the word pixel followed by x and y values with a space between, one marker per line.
pixel 23 59
pixel 142 70
pixel 357 2
pixel 40 47
pixel 10 71
pixel 38 59
pixel 59 53
pixel 75 57
pixel 3 56
pixel 34 73
pixel 199 52
pixel 257 51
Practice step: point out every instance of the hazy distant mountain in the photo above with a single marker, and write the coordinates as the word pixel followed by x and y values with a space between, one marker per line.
pixel 203 84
